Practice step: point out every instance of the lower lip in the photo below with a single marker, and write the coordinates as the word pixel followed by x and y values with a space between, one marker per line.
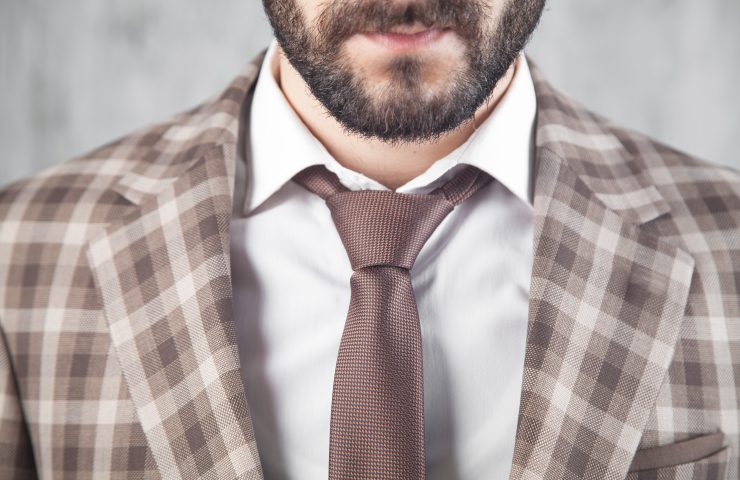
pixel 404 42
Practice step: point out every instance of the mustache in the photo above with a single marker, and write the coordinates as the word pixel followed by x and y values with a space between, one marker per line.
pixel 340 19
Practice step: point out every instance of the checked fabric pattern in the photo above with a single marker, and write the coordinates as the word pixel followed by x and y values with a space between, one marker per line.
pixel 118 352
pixel 377 412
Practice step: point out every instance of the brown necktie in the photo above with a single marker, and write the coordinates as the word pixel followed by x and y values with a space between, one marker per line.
pixel 377 410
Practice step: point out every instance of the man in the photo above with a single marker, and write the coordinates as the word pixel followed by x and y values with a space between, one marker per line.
pixel 231 293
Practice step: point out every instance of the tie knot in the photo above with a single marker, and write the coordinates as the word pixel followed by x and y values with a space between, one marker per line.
pixel 382 227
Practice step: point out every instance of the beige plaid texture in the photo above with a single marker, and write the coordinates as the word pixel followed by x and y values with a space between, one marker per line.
pixel 118 356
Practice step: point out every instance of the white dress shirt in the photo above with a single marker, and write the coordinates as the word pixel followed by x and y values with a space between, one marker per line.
pixel 471 281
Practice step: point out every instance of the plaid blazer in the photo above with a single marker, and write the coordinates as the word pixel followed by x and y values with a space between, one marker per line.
pixel 118 356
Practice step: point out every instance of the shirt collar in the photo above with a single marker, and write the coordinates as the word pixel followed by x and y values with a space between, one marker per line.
pixel 281 145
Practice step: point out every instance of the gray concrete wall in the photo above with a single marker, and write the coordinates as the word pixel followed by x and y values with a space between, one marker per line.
pixel 78 73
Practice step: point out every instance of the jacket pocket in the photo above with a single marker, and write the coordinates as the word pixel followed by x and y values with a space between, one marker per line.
pixel 699 458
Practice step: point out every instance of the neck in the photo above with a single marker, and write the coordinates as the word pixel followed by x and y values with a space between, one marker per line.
pixel 391 166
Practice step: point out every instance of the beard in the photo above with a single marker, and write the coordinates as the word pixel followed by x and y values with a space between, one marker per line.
pixel 403 110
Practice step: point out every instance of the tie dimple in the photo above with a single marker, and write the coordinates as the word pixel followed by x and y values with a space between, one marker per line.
pixel 377 412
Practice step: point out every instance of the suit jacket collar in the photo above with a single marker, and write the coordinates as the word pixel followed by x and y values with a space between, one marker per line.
pixel 594 153
pixel 168 149
pixel 606 300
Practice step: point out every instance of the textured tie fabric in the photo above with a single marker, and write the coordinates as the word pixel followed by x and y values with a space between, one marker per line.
pixel 377 410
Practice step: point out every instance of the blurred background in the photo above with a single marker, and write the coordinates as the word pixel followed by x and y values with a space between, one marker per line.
pixel 78 73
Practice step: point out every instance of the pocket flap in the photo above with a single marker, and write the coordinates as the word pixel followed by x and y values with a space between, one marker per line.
pixel 677 453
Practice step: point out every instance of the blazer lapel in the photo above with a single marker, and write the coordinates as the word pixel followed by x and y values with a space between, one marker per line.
pixel 606 302
pixel 163 273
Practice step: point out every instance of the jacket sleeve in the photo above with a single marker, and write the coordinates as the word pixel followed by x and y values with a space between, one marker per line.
pixel 16 451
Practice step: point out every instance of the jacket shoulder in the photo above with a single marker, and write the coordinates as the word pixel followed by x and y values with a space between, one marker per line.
pixel 632 172
pixel 653 154
pixel 692 185
pixel 703 197
pixel 96 182
pixel 132 166
pixel 54 192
